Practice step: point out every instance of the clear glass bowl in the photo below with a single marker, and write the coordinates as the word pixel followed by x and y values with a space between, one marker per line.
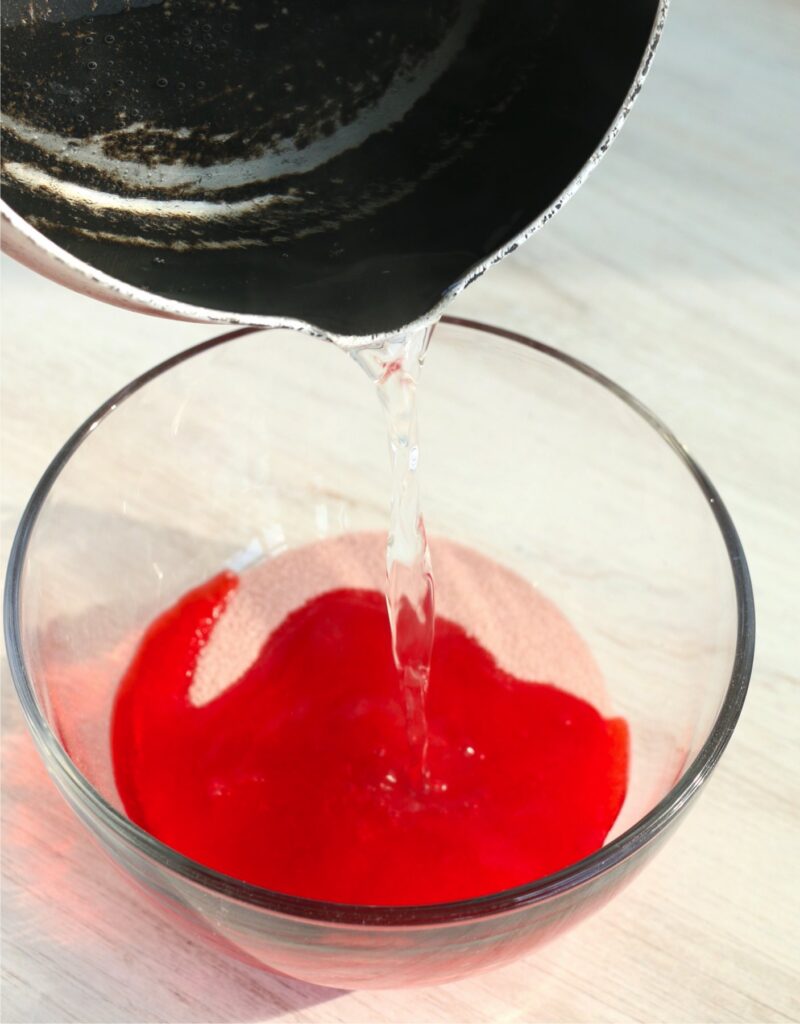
pixel 260 441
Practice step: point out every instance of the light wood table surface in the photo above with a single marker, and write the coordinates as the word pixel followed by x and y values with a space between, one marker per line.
pixel 676 271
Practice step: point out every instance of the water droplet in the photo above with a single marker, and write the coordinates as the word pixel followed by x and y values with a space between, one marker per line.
pixel 159 259
pixel 92 65
pixel 180 85
pixel 162 83
pixel 108 38
pixel 201 84
pixel 88 40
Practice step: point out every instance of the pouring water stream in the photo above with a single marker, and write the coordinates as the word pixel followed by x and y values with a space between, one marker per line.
pixel 395 368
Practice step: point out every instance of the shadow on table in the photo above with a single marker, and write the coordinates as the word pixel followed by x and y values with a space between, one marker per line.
pixel 78 937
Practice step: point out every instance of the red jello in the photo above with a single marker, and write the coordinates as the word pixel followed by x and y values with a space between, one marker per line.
pixel 300 777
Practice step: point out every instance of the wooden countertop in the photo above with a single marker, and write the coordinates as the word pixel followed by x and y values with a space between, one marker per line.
pixel 676 271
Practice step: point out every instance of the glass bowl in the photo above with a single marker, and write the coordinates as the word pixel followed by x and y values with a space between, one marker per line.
pixel 259 442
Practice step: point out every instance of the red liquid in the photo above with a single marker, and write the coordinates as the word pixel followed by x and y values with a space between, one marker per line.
pixel 300 777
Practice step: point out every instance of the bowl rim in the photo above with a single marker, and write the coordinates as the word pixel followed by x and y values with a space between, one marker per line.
pixel 647 828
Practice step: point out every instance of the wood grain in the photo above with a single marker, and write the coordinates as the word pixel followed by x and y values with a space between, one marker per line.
pixel 676 271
